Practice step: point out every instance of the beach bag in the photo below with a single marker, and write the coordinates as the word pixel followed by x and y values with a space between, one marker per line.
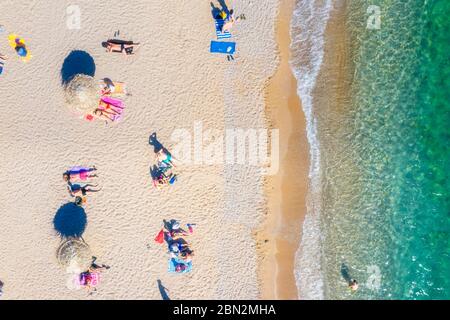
pixel 160 237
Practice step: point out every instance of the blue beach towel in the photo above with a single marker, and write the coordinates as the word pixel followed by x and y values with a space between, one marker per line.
pixel 175 261
pixel 223 47
pixel 219 33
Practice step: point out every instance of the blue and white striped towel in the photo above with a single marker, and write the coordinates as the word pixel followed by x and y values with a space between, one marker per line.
pixel 219 33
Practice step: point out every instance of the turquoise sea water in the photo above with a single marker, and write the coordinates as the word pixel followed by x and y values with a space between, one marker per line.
pixel 385 169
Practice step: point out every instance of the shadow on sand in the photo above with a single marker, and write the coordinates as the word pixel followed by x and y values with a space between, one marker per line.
pixel 77 62
pixel 70 220
pixel 153 141
pixel 163 291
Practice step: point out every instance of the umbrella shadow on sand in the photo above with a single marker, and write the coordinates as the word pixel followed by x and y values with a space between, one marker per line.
pixel 77 62
pixel 70 220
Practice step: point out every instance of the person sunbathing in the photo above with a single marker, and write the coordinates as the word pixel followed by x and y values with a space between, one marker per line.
pixel 125 47
pixel 79 174
pixel 180 267
pixel 86 280
pixel 231 20
pixel 175 232
pixel 160 181
pixel 95 267
pixel 108 111
pixel 165 157
pixel 3 56
pixel 76 189
pixel 105 115
pixel 186 253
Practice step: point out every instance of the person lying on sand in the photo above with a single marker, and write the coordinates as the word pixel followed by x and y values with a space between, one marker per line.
pixel 125 47
pixel 95 267
pixel 108 86
pixel 79 174
pixel 76 189
pixel 3 56
pixel 231 20
pixel 86 280
pixel 108 116
pixel 164 179
pixel 179 249
pixel 165 157
pixel 174 231
pixel 186 254
pixel 107 112
pixel 180 267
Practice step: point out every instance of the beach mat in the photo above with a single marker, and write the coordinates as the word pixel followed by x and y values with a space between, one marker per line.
pixel 222 47
pixel 175 261
pixel 114 102
pixel 16 41
pixel 219 33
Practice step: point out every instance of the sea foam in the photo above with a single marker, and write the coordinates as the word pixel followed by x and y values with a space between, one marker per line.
pixel 308 26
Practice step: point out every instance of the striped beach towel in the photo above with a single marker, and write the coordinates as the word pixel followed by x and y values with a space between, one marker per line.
pixel 219 33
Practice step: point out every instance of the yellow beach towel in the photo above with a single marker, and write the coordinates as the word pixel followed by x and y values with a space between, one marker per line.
pixel 16 42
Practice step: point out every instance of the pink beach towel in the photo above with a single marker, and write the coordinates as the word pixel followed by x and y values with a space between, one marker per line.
pixel 95 279
pixel 114 102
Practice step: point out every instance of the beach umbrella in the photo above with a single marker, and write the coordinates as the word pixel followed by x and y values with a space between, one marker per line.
pixel 75 255
pixel 82 93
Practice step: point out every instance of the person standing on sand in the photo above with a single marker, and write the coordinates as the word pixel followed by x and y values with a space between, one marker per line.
pixel 353 285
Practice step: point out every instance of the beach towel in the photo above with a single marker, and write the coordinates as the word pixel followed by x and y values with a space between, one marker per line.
pixel 119 89
pixel 114 102
pixel 160 237
pixel 222 47
pixel 82 172
pixel 18 44
pixel 219 33
pixel 95 279
pixel 173 262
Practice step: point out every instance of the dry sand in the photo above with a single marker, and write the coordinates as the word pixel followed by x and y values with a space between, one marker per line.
pixel 174 82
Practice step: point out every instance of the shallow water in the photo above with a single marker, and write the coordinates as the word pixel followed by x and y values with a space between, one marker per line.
pixel 379 185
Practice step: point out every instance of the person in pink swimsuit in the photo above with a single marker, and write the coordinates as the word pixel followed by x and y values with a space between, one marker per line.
pixel 79 173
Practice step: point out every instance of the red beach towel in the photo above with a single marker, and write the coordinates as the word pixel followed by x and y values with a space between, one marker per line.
pixel 160 237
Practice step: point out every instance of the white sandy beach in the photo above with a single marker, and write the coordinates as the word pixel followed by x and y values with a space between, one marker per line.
pixel 174 81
